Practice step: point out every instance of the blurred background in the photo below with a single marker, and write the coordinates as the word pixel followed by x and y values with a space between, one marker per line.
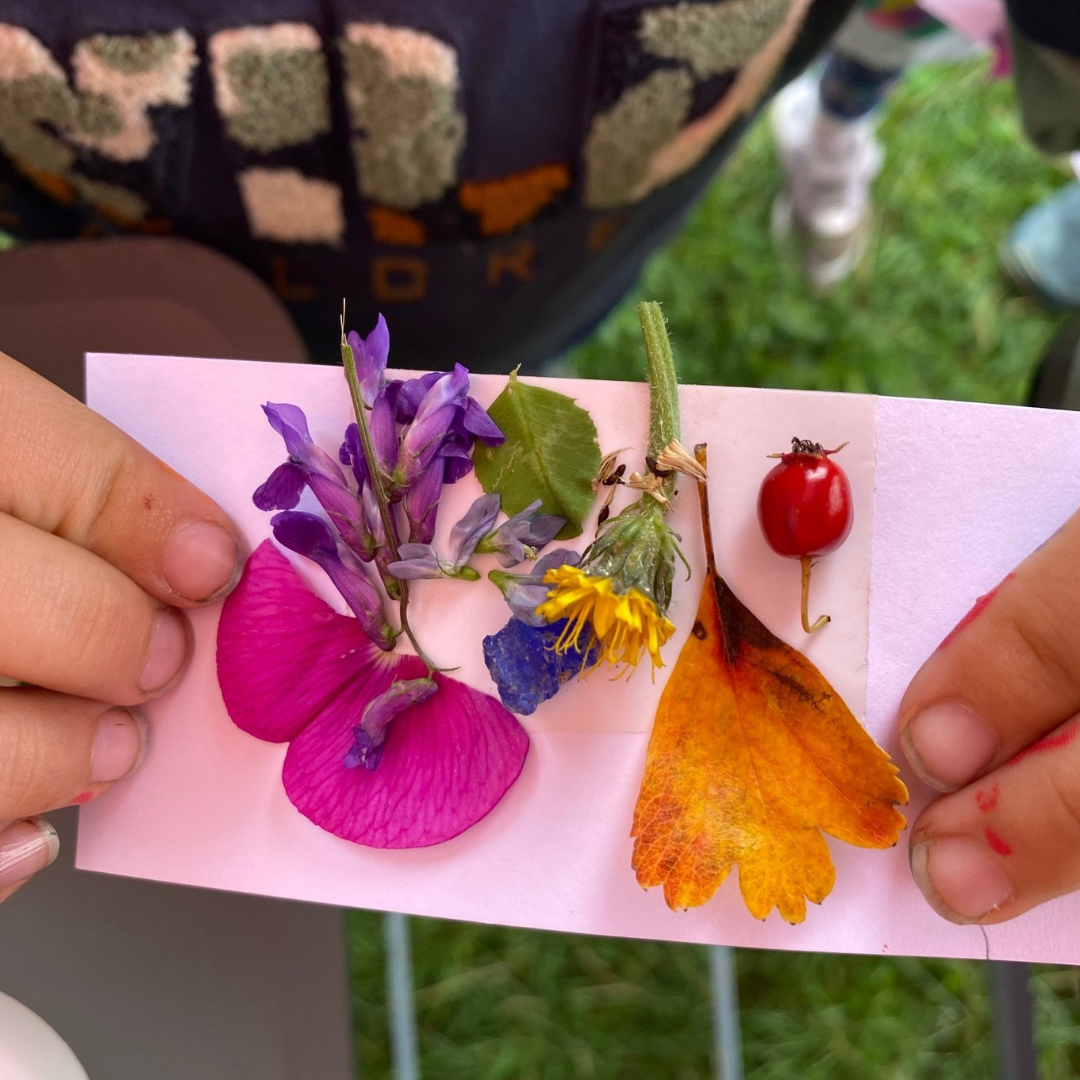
pixel 928 312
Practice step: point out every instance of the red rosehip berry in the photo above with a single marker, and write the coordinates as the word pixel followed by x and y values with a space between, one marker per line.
pixel 805 510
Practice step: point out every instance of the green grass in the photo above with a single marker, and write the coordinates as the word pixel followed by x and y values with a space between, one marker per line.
pixel 928 315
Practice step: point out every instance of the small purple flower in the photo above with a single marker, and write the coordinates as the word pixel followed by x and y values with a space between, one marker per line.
pixel 473 527
pixel 379 714
pixel 420 560
pixel 417 561
pixel 430 426
pixel 526 592
pixel 520 537
pixel 311 537
pixel 370 355
pixel 312 466
pixel 443 421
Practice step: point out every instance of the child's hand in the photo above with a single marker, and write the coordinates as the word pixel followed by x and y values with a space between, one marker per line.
pixel 992 716
pixel 99 544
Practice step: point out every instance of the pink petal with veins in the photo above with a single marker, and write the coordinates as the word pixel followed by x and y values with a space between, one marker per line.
pixel 283 654
pixel 446 763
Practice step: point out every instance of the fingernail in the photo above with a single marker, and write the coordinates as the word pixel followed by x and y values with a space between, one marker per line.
pixel 948 745
pixel 168 650
pixel 119 740
pixel 202 561
pixel 959 878
pixel 25 848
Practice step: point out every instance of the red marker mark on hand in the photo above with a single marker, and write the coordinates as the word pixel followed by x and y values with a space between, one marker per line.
pixel 977 609
pixel 987 800
pixel 85 797
pixel 1054 741
pixel 996 842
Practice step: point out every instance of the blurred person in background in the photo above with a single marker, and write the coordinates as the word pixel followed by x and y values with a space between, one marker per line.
pixel 825 128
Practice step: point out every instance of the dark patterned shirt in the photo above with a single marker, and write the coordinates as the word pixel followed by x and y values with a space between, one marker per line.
pixel 488 173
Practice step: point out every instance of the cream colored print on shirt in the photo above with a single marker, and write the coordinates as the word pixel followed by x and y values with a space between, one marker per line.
pixel 272 90
pixel 644 140
pixel 401 86
pixel 133 74
pixel 41 116
pixel 285 205
pixel 711 38
pixel 271 84
pixel 624 138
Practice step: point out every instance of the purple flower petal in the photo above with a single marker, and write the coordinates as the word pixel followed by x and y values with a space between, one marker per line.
pixel 311 537
pixel 378 716
pixel 352 454
pixel 345 511
pixel 509 550
pixel 282 653
pixel 405 396
pixel 457 462
pixel 417 561
pixel 291 424
pixel 422 504
pixel 282 489
pixel 478 521
pixel 475 420
pixel 446 764
pixel 525 599
pixel 370 356
pixel 524 593
pixel 540 530
pixel 384 433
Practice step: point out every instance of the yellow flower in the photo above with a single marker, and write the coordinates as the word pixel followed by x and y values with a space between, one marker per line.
pixel 622 624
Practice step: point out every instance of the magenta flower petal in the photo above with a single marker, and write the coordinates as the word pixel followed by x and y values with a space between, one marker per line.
pixel 282 653
pixel 446 763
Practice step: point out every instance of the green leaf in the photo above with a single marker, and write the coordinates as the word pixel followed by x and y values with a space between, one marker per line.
pixel 551 453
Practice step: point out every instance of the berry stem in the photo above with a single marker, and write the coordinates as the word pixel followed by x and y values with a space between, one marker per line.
pixel 806 564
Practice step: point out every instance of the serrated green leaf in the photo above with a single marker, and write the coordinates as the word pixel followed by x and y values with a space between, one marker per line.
pixel 551 453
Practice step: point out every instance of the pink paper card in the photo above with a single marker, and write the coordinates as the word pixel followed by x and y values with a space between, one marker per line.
pixel 948 498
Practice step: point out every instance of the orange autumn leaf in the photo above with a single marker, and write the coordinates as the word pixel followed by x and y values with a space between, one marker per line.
pixel 752 757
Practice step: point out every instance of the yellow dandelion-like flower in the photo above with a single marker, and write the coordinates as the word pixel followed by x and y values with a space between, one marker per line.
pixel 622 624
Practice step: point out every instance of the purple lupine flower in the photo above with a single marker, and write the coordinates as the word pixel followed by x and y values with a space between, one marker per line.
pixel 370 355
pixel 311 537
pixel 370 735
pixel 293 671
pixel 310 465
pixel 520 537
pixel 526 592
